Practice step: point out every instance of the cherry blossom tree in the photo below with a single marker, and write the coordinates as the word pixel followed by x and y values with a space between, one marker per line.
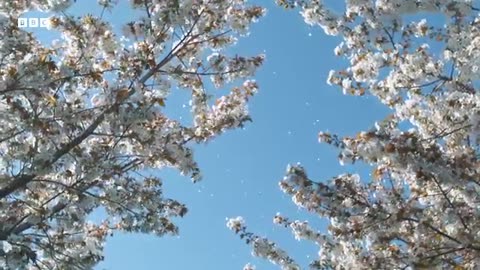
pixel 82 120
pixel 419 208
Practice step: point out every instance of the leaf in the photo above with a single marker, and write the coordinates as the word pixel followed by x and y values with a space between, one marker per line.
pixel 392 248
pixel 96 76
pixel 54 22
pixel 377 174
pixel 89 19
pixel 43 58
pixel 160 101
pixel 51 100
pixel 105 65
pixel 12 72
pixel 121 95
pixel 151 63
pixel 51 66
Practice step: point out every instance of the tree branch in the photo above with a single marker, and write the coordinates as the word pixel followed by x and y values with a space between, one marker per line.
pixel 22 180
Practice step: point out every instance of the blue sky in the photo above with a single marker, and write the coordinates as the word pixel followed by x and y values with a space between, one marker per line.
pixel 242 168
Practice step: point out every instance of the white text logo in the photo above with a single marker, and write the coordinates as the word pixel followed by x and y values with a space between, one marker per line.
pixel 32 22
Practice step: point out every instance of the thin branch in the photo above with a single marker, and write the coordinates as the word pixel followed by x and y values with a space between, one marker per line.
pixel 443 133
pixel 12 136
pixel 390 37
pixel 449 201
pixel 200 73
pixel 428 225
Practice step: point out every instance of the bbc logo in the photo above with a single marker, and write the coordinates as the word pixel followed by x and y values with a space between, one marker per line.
pixel 32 22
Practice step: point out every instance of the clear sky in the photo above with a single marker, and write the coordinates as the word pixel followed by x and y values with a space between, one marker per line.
pixel 242 168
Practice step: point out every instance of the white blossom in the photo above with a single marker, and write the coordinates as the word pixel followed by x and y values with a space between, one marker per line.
pixel 418 209
pixel 83 126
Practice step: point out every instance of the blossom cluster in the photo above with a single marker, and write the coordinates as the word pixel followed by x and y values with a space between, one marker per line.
pixel 82 122
pixel 262 247
pixel 418 209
